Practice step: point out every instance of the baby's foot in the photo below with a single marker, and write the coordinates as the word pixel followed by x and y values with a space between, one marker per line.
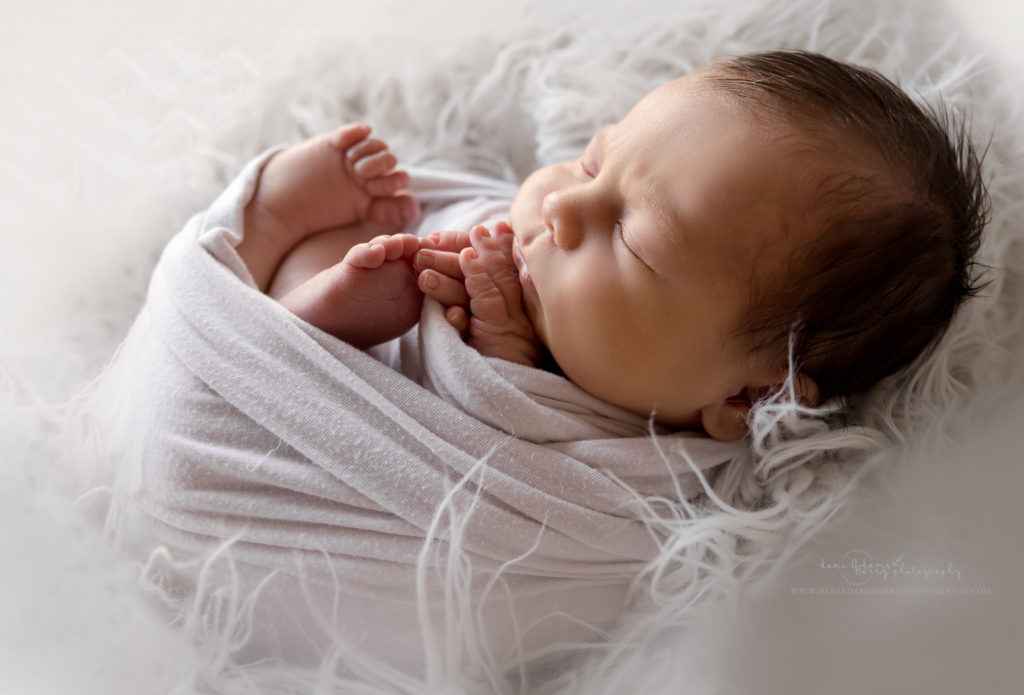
pixel 369 297
pixel 335 180
pixel 498 325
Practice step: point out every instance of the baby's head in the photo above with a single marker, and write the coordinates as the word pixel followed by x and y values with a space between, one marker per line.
pixel 770 207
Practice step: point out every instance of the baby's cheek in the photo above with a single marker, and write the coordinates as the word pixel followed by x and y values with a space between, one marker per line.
pixel 578 337
pixel 537 323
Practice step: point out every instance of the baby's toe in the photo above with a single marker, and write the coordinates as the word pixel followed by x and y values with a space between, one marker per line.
pixel 388 185
pixel 368 255
pixel 347 136
pixel 397 245
pixel 394 210
pixel 375 165
pixel 364 149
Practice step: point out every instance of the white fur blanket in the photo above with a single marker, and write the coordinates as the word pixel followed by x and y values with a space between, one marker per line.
pixel 160 127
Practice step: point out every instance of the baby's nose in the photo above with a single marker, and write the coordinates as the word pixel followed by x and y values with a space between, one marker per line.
pixel 561 214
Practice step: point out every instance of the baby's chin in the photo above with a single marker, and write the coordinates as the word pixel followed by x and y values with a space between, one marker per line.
pixel 548 362
pixel 673 416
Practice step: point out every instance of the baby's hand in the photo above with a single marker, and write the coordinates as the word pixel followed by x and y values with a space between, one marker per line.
pixel 441 276
pixel 440 271
pixel 498 325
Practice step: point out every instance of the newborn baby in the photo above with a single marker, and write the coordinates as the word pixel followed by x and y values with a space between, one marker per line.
pixel 770 213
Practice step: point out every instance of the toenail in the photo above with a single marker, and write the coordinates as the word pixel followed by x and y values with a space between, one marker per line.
pixel 431 281
pixel 424 259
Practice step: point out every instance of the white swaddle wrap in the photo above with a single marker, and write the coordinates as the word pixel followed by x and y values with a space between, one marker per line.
pixel 232 419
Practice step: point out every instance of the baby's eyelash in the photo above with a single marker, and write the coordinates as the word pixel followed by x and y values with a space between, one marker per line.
pixel 622 237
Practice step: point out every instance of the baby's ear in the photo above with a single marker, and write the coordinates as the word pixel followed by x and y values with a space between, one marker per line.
pixel 727 420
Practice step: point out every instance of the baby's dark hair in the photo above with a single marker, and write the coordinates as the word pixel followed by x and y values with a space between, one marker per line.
pixel 880 283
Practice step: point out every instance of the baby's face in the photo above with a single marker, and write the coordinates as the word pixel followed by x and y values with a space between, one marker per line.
pixel 638 260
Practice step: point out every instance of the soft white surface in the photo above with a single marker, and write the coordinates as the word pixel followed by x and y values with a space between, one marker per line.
pixel 110 112
pixel 997 23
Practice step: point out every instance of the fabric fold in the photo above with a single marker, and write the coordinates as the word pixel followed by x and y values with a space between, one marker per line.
pixel 264 429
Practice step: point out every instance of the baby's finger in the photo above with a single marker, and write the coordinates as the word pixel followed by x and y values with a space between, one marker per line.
pixel 444 262
pixel 486 302
pixel 449 240
pixel 503 235
pixel 447 290
pixel 498 267
pixel 458 318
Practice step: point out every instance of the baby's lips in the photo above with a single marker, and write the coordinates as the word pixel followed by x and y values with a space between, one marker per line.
pixel 520 263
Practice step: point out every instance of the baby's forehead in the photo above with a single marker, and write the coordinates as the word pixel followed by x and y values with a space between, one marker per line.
pixel 763 179
pixel 774 218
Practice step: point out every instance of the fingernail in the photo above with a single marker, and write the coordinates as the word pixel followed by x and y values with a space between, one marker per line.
pixel 431 280
pixel 423 260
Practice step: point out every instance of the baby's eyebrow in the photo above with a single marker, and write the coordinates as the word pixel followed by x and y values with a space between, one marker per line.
pixel 667 217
